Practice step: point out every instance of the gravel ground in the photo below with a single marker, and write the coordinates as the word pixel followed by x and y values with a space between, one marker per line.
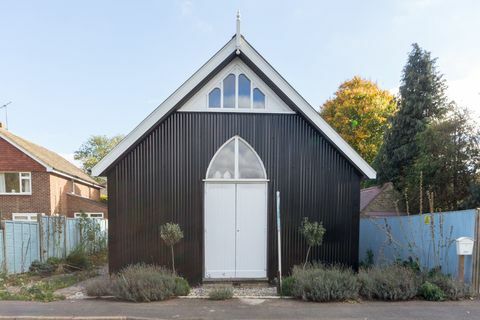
pixel 237 291
pixel 77 291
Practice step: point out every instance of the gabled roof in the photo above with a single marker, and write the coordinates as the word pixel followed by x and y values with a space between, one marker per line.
pixel 367 195
pixel 236 47
pixel 49 159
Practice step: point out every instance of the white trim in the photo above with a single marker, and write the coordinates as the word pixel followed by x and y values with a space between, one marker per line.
pixel 88 214
pixel 308 111
pixel 29 215
pixel 20 186
pixel 47 167
pixel 164 108
pixel 236 138
pixel 200 101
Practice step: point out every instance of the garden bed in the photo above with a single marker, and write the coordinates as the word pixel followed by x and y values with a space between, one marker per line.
pixel 45 280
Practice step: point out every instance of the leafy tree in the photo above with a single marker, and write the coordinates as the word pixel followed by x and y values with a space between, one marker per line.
pixel 171 234
pixel 313 233
pixel 448 160
pixel 422 100
pixel 94 149
pixel 359 112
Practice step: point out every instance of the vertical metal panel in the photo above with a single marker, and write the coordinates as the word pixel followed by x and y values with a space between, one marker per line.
pixel 160 180
pixel 391 238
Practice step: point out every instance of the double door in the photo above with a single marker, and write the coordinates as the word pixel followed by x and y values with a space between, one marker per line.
pixel 235 230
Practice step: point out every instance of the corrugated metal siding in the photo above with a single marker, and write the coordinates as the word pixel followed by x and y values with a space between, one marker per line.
pixel 161 180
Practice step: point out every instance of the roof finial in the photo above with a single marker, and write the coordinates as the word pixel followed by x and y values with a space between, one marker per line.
pixel 238 35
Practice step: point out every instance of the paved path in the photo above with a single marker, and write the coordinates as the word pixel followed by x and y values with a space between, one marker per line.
pixel 246 309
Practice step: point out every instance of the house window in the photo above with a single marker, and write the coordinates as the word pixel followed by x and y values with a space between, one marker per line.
pixel 236 159
pixel 24 216
pixel 95 215
pixel 15 183
pixel 236 92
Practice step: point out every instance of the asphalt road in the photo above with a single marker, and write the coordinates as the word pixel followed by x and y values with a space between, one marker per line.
pixel 244 309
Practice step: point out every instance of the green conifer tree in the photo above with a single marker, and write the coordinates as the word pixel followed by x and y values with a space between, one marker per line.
pixel 422 99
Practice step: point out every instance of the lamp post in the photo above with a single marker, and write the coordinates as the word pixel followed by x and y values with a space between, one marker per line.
pixel 6 113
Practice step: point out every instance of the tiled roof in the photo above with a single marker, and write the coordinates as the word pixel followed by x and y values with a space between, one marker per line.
pixel 47 157
pixel 368 194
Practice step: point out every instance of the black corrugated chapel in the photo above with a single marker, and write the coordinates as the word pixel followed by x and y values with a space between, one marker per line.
pixel 211 158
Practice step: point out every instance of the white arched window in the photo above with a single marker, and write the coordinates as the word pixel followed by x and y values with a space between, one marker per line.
pixel 236 160
pixel 236 91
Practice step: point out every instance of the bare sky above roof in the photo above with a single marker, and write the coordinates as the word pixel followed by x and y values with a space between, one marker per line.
pixel 74 69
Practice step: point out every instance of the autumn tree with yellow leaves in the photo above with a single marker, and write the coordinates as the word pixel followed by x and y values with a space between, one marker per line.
pixel 359 112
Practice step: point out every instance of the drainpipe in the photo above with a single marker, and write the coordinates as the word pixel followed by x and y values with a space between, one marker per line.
pixel 279 244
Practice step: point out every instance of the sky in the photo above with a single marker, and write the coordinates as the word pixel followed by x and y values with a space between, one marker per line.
pixel 73 69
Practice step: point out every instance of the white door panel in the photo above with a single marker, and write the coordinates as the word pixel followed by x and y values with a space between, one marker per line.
pixel 251 231
pixel 219 230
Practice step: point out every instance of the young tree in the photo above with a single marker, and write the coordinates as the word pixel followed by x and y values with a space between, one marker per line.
pixel 448 160
pixel 359 112
pixel 171 234
pixel 313 233
pixel 422 100
pixel 94 149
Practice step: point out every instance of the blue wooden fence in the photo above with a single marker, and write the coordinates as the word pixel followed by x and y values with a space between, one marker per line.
pixel 23 242
pixel 430 238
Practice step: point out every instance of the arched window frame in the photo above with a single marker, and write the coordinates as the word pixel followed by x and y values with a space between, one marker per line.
pixel 237 71
pixel 236 170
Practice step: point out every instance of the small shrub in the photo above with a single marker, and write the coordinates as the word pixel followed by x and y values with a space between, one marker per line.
pixel 54 261
pixel 393 282
pixel 452 289
pixel 100 287
pixel 287 286
pixel 144 283
pixel 171 234
pixel 410 263
pixel 42 268
pixel 369 261
pixel 320 283
pixel 78 259
pixel 181 287
pixel 313 233
pixel 221 293
pixel 431 292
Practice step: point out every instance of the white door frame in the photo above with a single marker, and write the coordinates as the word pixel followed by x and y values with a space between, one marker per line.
pixel 235 181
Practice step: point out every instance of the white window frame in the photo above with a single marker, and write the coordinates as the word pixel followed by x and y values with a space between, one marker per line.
pixel 78 215
pixel 236 169
pixel 29 215
pixel 20 178
pixel 237 71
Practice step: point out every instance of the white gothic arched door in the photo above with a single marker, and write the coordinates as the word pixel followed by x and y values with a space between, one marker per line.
pixel 236 213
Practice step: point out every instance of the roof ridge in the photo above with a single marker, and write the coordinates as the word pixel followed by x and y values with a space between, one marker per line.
pixel 49 157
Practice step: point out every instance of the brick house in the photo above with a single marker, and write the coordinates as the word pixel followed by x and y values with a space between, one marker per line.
pixel 35 180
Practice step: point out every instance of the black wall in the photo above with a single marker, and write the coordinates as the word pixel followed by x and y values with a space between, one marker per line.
pixel 160 180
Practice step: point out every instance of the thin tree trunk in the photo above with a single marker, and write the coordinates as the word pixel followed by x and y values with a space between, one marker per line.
pixel 173 260
pixel 306 258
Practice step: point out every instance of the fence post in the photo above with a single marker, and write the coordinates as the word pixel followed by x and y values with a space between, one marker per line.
pixel 64 237
pixel 41 237
pixel 476 254
pixel 4 242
